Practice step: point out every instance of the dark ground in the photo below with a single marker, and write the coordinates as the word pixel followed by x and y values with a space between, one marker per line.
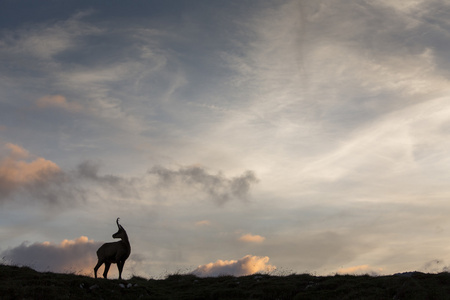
pixel 25 283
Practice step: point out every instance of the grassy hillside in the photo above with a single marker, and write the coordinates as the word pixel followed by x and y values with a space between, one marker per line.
pixel 25 283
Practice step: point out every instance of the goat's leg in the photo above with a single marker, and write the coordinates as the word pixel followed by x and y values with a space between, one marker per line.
pixel 105 272
pixel 99 263
pixel 120 265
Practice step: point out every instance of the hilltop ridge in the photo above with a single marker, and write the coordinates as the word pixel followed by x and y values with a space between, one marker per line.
pixel 26 283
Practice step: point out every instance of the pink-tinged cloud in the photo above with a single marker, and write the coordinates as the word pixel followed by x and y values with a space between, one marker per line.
pixel 70 256
pixel 16 151
pixel 247 265
pixel 16 171
pixel 58 101
pixel 361 269
pixel 203 223
pixel 250 238
pixel 38 179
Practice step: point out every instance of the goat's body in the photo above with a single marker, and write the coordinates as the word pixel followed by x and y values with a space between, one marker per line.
pixel 114 253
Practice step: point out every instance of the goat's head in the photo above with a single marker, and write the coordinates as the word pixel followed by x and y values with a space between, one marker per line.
pixel 121 234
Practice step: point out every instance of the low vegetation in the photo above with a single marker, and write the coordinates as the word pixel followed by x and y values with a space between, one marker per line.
pixel 25 283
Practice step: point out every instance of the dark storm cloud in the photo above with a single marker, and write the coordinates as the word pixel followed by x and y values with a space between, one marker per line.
pixel 220 188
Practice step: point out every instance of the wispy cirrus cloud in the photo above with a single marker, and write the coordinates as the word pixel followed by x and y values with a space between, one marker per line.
pixel 91 82
pixel 47 40
pixel 314 68
pixel 396 143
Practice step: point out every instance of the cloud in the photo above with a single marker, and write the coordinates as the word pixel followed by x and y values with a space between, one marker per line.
pixel 17 173
pixel 218 187
pixel 41 179
pixel 38 180
pixel 252 238
pixel 73 187
pixel 17 151
pixel 359 270
pixel 43 53
pixel 247 265
pixel 316 63
pixel 409 143
pixel 89 171
pixel 70 256
pixel 435 266
pixel 58 101
pixel 203 223
pixel 43 41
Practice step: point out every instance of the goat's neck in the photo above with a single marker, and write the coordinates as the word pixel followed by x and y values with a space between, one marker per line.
pixel 125 240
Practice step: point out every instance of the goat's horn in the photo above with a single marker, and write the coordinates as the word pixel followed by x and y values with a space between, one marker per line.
pixel 117 221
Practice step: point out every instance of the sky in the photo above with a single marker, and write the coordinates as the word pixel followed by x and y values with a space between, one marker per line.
pixel 230 137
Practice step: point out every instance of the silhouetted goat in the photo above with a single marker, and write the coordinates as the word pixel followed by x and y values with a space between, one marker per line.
pixel 114 253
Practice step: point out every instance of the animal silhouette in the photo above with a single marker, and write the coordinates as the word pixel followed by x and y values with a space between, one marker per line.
pixel 114 253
